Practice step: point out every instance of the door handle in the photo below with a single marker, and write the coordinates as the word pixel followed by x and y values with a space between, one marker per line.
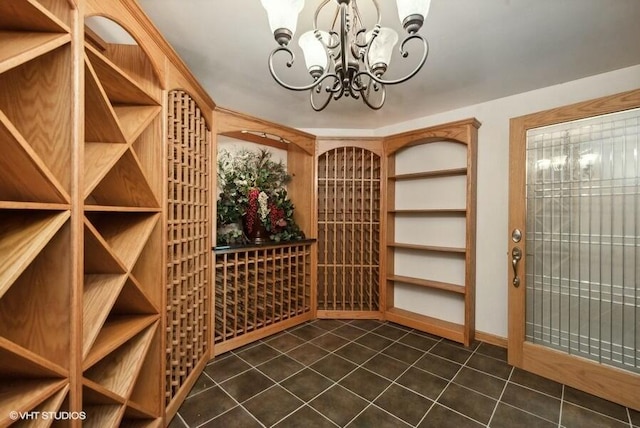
pixel 516 256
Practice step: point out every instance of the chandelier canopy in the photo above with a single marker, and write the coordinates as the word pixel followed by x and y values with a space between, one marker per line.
pixel 346 59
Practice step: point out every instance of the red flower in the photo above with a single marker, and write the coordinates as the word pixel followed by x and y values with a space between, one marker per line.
pixel 276 216
pixel 252 209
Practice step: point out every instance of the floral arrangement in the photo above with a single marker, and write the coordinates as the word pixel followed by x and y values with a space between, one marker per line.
pixel 253 192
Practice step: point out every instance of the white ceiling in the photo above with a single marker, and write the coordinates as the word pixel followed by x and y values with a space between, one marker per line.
pixel 479 50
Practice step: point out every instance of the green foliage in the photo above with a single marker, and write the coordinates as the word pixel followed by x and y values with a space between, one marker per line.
pixel 239 173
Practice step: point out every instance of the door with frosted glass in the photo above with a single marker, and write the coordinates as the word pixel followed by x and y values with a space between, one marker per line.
pixel 574 246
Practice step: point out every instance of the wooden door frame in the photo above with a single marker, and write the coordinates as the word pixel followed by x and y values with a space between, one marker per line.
pixel 608 382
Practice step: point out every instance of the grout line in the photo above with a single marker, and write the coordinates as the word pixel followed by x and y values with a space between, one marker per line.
pixel 449 382
pixel 504 388
pixel 370 403
pixel 561 407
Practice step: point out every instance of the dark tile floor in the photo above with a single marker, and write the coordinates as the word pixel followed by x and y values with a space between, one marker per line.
pixel 364 373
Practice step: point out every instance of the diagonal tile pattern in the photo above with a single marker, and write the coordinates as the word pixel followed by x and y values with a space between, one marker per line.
pixel 365 373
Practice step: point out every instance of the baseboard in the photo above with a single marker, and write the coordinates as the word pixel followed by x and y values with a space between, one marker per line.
pixel 492 339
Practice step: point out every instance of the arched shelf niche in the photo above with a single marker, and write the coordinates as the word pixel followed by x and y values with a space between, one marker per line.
pixel 430 229
pixel 350 192
pixel 265 288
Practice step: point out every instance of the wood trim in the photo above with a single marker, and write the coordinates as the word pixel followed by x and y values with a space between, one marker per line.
pixel 232 121
pixel 604 105
pixel 457 131
pixel 77 217
pixel 151 30
pixel 330 143
pixel 610 383
pixel 446 329
pixel 356 315
pixel 257 139
pixel 237 342
pixel 492 339
pixel 517 188
pixel 173 407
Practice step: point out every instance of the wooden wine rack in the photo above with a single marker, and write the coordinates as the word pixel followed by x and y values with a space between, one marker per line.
pixel 260 290
pixel 122 237
pixel 82 198
pixel 36 198
pixel 349 192
pixel 188 242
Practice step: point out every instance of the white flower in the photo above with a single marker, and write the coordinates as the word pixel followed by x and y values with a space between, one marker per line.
pixel 263 207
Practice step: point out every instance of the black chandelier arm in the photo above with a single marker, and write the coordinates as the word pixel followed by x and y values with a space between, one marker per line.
pixel 404 54
pixel 289 63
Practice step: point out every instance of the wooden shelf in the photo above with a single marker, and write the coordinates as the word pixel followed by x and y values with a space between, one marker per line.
pixel 23 176
pixel 18 362
pixel 135 411
pixel 98 257
pixel 448 330
pixel 22 238
pixel 430 248
pixel 36 206
pixel 429 174
pixel 46 124
pixel 95 394
pixel 119 87
pixel 29 15
pixel 120 209
pixel 18 47
pixel 445 286
pixel 101 121
pixel 135 119
pixel 103 407
pixel 100 294
pixel 103 415
pixel 132 300
pixel 125 185
pixel 430 211
pixel 99 158
pixel 22 395
pixel 53 403
pixel 125 233
pixel 116 331
pixel 119 370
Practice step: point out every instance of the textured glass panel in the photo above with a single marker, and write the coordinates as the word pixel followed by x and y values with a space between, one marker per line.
pixel 582 257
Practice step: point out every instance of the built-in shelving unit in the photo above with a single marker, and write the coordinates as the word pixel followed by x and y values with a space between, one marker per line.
pixel 188 229
pixel 430 279
pixel 82 233
pixel 349 205
pixel 122 303
pixel 263 289
pixel 260 290
pixel 36 134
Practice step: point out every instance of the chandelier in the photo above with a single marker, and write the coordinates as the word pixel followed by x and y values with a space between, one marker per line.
pixel 347 59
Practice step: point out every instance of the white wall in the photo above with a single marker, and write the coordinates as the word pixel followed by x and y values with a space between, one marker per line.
pixel 493 175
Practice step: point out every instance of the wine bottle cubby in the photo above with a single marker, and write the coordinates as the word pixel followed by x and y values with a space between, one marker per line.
pixel 188 242
pixel 349 204
pixel 36 134
pixel 258 288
